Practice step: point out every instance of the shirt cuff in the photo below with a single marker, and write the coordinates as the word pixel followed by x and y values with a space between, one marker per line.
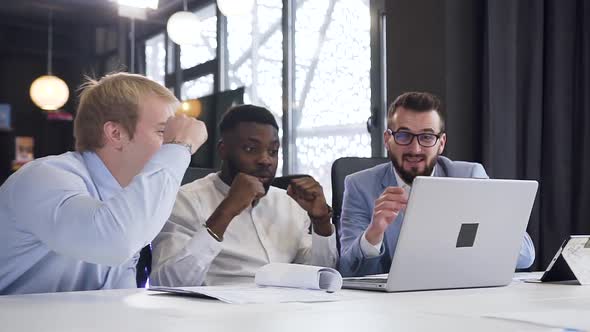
pixel 330 240
pixel 368 249
pixel 203 245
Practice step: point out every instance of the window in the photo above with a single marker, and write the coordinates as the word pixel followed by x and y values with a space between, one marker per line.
pixel 332 88
pixel 155 58
pixel 202 86
pixel 255 52
pixel 205 50
pixel 332 74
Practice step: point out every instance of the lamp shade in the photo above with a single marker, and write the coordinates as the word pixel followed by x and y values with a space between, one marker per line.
pixel 192 108
pixel 184 28
pixel 235 7
pixel 49 92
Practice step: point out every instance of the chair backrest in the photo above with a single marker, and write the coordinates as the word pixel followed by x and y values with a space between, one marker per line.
pixel 340 169
pixel 284 181
pixel 195 173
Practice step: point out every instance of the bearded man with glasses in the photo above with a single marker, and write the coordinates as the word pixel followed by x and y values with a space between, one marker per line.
pixel 375 199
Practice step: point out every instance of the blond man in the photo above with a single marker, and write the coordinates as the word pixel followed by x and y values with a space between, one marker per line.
pixel 76 221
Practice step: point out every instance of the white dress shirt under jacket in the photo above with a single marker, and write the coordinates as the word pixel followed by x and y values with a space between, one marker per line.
pixel 274 231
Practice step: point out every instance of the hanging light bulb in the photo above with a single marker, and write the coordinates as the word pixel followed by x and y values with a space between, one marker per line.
pixel 49 92
pixel 235 7
pixel 184 28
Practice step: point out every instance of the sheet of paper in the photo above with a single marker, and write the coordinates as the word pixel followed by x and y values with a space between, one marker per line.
pixel 559 318
pixel 251 294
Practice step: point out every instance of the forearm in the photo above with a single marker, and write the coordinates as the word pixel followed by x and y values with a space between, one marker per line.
pixel 107 232
pixel 373 235
pixel 221 218
pixel 124 223
pixel 187 267
pixel 323 250
pixel 354 263
pixel 324 229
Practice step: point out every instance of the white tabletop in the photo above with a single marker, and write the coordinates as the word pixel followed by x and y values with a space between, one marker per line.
pixel 450 310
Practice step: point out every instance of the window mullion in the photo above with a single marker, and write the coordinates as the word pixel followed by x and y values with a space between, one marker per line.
pixel 288 27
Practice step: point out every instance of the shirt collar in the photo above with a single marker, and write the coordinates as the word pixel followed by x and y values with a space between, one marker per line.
pixel 220 185
pixel 104 181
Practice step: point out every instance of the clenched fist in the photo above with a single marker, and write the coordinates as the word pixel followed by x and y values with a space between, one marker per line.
pixel 183 129
pixel 244 190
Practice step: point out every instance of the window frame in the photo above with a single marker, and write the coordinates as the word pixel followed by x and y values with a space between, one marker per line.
pixel 218 67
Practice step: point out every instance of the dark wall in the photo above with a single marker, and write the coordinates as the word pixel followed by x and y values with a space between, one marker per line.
pixel 435 46
pixel 23 58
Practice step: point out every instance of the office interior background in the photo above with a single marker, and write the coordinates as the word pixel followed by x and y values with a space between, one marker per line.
pixel 514 76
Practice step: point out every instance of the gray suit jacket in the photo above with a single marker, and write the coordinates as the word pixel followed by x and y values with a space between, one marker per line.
pixel 361 189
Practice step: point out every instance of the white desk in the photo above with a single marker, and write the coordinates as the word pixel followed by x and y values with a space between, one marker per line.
pixel 140 310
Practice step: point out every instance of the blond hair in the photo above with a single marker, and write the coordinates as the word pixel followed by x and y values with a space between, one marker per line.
pixel 115 97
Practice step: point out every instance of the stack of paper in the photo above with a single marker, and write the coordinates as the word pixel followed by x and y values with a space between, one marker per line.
pixel 253 294
pixel 275 283
pixel 299 276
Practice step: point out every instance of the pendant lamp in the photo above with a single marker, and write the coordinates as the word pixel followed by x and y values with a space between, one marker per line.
pixel 191 107
pixel 184 28
pixel 49 92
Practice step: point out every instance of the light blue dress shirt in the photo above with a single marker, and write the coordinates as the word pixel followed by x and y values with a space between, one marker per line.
pixel 67 225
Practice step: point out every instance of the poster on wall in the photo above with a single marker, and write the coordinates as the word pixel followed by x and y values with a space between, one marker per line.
pixel 4 116
pixel 24 147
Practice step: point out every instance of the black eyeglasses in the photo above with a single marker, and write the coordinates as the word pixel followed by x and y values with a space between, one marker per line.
pixel 426 140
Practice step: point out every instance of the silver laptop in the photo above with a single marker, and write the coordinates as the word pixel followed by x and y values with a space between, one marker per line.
pixel 457 233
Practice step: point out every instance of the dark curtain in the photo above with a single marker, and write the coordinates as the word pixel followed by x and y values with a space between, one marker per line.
pixel 536 110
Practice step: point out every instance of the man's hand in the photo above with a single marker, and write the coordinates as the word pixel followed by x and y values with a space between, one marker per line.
pixel 308 193
pixel 387 208
pixel 245 189
pixel 183 129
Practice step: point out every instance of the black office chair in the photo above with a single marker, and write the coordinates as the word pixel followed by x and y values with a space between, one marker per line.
pixel 195 173
pixel 340 169
pixel 284 181
pixel 144 264
pixel 143 268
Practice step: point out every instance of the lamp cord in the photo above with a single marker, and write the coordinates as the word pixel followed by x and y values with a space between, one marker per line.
pixel 50 43
pixel 132 37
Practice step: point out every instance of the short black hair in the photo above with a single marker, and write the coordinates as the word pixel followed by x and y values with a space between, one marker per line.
pixel 419 102
pixel 246 113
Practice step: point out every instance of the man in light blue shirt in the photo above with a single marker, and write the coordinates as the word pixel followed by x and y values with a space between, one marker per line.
pixel 375 199
pixel 76 221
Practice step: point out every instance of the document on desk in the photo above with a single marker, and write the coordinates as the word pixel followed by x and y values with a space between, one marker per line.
pixel 299 276
pixel 570 319
pixel 248 294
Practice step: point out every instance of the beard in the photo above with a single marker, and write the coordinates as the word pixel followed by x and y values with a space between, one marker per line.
pixel 233 170
pixel 409 175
